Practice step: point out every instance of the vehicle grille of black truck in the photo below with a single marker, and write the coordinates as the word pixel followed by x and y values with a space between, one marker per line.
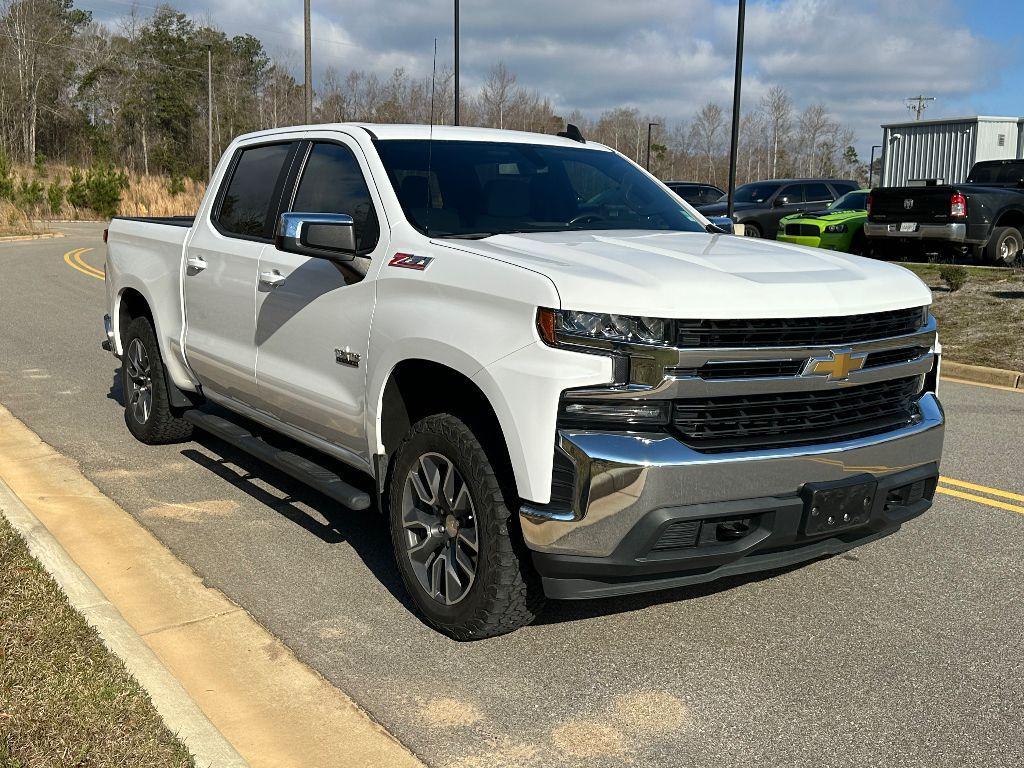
pixel 757 421
pixel 798 331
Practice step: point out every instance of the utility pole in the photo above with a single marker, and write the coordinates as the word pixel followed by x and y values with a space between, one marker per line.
pixel 209 113
pixel 309 66
pixel 918 104
pixel 456 119
pixel 738 77
pixel 647 165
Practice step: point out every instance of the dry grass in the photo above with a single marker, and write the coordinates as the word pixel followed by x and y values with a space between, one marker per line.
pixel 146 196
pixel 64 699
pixel 983 322
pixel 13 221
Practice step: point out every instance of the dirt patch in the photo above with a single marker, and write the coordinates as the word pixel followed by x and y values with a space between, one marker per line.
pixel 449 713
pixel 583 738
pixel 650 712
pixel 194 512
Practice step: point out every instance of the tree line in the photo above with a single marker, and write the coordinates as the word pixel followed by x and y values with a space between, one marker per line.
pixel 77 92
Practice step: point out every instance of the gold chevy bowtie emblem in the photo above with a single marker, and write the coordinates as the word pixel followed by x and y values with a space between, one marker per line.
pixel 837 366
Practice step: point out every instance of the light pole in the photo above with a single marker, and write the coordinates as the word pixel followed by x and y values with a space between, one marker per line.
pixel 456 117
pixel 209 113
pixel 871 165
pixel 736 108
pixel 647 165
pixel 308 85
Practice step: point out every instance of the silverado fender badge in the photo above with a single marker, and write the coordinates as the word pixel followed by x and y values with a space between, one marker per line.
pixel 346 357
pixel 410 261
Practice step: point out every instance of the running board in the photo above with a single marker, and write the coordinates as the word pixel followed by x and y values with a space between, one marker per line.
pixel 302 469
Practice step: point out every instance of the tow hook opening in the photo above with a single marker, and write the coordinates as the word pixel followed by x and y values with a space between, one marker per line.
pixel 731 530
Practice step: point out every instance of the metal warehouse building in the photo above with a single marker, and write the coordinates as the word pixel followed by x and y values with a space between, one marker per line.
pixel 946 148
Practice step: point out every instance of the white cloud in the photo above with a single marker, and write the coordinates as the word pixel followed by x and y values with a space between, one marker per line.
pixel 663 56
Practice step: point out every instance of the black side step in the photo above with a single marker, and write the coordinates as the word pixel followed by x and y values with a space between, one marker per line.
pixel 303 470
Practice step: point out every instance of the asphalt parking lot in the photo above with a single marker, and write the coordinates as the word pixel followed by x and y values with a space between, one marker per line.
pixel 905 652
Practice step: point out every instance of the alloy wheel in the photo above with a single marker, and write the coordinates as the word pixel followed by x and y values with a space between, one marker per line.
pixel 439 522
pixel 140 381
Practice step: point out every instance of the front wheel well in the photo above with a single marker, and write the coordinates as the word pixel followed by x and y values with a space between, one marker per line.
pixel 420 388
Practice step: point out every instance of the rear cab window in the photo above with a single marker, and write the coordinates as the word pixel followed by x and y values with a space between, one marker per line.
pixel 250 198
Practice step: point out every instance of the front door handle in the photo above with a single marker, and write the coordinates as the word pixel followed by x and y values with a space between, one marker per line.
pixel 198 263
pixel 272 279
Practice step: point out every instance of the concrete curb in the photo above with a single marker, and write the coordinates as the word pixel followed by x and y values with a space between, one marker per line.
pixel 980 374
pixel 24 238
pixel 181 714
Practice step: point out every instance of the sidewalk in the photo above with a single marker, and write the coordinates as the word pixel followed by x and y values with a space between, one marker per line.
pixel 272 709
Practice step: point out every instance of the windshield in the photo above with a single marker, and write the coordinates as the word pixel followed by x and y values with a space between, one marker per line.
pixel 477 189
pixel 851 201
pixel 996 173
pixel 754 193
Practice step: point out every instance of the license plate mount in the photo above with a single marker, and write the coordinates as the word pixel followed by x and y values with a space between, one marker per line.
pixel 839 506
pixel 908 226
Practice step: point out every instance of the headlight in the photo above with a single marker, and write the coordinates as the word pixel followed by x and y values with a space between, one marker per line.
pixel 835 228
pixel 566 325
pixel 622 414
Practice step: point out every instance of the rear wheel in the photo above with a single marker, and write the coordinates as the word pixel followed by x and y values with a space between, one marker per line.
pixel 453 532
pixel 1004 246
pixel 147 409
pixel 751 230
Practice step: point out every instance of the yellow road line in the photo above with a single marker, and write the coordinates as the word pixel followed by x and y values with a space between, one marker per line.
pixel 74 260
pixel 982 488
pixel 981 500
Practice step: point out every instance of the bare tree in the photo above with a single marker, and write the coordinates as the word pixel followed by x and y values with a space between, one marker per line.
pixel 777 110
pixel 497 95
pixel 707 130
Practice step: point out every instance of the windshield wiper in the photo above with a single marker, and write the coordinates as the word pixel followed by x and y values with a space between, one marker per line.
pixel 465 235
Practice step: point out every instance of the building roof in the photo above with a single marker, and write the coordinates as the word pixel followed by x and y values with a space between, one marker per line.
pixel 941 120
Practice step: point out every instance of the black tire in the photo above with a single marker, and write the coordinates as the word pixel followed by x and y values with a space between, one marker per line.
pixel 1004 246
pixel 504 593
pixel 859 244
pixel 752 230
pixel 159 423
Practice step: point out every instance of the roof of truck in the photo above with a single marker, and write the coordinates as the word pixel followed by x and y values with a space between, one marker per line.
pixel 388 131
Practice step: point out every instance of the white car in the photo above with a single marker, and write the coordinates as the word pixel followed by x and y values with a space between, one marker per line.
pixel 558 378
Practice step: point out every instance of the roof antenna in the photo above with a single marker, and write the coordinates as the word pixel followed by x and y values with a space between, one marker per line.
pixel 430 137
pixel 572 132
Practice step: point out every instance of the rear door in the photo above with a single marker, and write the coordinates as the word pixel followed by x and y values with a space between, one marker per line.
pixel 313 328
pixel 222 265
pixel 817 196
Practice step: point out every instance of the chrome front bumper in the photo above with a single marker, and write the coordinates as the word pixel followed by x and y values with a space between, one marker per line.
pixel 954 233
pixel 624 477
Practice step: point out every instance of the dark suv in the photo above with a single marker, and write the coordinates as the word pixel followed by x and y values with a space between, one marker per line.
pixel 760 204
pixel 694 193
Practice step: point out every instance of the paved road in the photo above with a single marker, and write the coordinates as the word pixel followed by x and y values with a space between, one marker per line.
pixel 905 652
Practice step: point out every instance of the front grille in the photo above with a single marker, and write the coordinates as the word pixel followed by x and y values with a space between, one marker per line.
pixel 678 535
pixel 749 369
pixel 750 422
pixel 803 230
pixel 801 331
pixel 894 356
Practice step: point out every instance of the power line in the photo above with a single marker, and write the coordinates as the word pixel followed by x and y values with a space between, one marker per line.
pixel 918 104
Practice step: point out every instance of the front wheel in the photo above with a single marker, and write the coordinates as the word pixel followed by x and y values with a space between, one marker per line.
pixel 454 537
pixel 752 230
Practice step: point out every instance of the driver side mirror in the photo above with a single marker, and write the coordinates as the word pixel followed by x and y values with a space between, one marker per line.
pixel 323 235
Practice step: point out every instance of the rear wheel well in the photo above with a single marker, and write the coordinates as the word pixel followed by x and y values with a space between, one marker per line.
pixel 133 304
pixel 420 388
pixel 1013 219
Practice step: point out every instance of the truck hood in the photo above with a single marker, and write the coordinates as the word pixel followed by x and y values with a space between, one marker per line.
pixel 720 209
pixel 699 275
pixel 828 217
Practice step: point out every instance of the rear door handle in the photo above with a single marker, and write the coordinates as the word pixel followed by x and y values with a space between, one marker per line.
pixel 198 263
pixel 272 279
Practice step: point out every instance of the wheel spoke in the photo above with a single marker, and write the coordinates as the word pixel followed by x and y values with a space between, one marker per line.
pixel 437 571
pixel 453 589
pixel 467 536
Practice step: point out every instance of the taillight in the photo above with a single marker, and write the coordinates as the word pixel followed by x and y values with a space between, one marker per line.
pixel 958 205
pixel 869 205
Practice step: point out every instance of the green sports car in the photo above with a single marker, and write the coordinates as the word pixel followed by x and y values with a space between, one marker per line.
pixel 840 227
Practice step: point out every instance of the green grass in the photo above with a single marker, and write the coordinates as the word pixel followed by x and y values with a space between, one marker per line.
pixel 65 700
pixel 983 322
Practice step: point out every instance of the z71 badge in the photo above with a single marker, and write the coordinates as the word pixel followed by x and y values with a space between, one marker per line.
pixel 410 261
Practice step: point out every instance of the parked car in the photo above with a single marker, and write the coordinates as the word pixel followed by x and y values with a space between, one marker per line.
pixel 542 395
pixel 983 217
pixel 696 194
pixel 840 227
pixel 759 205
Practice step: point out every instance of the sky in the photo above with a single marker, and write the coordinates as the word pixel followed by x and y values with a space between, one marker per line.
pixel 860 58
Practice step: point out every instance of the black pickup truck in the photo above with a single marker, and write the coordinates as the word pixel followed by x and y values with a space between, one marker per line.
pixel 982 217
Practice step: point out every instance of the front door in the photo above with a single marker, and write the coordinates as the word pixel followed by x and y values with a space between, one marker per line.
pixel 222 265
pixel 313 314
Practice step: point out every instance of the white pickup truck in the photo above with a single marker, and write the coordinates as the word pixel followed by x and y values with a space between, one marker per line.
pixel 558 378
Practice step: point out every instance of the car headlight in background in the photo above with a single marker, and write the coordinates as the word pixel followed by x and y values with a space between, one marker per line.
pixel 565 326
pixel 834 229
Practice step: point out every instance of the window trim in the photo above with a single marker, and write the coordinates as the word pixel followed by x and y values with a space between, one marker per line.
pixel 296 178
pixel 278 192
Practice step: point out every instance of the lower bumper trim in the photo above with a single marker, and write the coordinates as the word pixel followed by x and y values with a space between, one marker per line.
pixel 955 233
